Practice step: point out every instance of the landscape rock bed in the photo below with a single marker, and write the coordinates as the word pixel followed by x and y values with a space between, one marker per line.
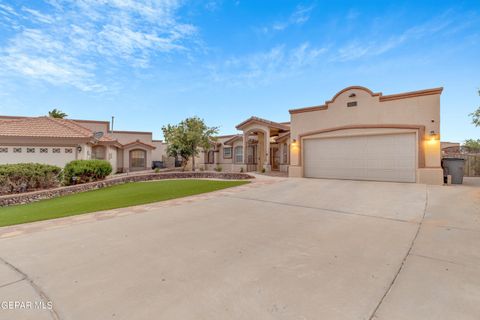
pixel 22 198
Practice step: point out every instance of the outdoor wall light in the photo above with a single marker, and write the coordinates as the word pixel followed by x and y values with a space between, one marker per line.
pixel 434 136
pixel 294 141
pixel 79 149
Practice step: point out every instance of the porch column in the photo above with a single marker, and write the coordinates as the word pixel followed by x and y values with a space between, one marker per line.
pixel 280 150
pixel 245 141
pixel 267 149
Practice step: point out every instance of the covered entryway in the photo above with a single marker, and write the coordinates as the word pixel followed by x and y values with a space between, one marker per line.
pixel 260 143
pixel 388 157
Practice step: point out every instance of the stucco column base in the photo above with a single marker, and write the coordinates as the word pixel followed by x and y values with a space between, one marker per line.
pixel 430 176
pixel 295 171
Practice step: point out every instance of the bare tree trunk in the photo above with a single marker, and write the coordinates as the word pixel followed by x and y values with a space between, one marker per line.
pixel 193 162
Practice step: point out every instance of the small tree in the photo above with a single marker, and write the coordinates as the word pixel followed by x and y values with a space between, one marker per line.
pixel 476 115
pixel 56 113
pixel 186 138
pixel 472 145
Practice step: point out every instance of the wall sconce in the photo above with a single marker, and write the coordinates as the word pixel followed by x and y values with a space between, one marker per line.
pixel 294 141
pixel 79 149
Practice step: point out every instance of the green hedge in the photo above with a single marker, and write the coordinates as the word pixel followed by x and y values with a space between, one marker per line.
pixel 23 177
pixel 82 171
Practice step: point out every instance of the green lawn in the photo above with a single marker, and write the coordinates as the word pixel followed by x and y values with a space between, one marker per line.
pixel 119 196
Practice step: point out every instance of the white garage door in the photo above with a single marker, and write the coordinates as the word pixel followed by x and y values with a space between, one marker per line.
pixel 379 157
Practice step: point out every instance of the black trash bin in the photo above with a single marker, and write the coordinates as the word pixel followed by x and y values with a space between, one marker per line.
pixel 454 167
pixel 157 165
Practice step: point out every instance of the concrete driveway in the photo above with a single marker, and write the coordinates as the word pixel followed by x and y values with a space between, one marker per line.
pixel 276 249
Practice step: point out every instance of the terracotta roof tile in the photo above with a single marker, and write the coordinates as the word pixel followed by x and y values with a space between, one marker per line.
pixel 269 123
pixel 43 127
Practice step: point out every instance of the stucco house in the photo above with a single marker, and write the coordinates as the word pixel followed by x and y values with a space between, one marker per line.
pixel 358 134
pixel 59 141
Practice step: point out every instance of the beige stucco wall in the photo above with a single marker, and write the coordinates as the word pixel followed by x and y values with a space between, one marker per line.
pixel 412 111
pixel 160 152
pixel 125 137
pixel 95 126
pixel 111 156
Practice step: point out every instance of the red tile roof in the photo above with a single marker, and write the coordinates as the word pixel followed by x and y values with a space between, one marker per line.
pixel 138 143
pixel 46 127
pixel 277 125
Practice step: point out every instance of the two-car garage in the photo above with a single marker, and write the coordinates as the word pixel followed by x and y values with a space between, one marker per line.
pixel 385 157
pixel 364 135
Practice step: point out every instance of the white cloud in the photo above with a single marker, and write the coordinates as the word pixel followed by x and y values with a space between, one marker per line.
pixel 368 47
pixel 38 16
pixel 70 40
pixel 299 16
pixel 264 67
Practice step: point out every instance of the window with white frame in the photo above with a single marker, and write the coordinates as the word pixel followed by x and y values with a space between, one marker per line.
pixel 17 150
pixel 68 150
pixel 239 154
pixel 3 150
pixel 56 150
pixel 227 153
pixel 30 150
pixel 43 150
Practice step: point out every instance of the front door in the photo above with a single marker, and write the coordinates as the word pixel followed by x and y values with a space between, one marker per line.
pixel 275 158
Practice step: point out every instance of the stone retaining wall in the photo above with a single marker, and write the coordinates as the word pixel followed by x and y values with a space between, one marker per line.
pixel 21 198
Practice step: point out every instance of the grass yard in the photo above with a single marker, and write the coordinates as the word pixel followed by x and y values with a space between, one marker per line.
pixel 119 196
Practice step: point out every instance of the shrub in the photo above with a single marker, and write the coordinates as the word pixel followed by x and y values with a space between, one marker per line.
pixel 23 177
pixel 82 171
pixel 218 169
pixel 241 169
pixel 263 170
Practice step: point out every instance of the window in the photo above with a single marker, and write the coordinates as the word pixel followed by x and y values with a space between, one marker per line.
pixel 227 153
pixel 43 150
pixel 210 157
pixel 56 150
pixel 68 150
pixel 30 150
pixel 98 152
pixel 17 150
pixel 239 154
pixel 3 150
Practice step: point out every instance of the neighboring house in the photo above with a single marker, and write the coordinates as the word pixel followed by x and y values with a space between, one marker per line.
pixel 264 143
pixel 358 134
pixel 59 141
pixel 450 147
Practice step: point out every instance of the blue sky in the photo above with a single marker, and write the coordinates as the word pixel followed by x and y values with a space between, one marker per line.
pixel 150 63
